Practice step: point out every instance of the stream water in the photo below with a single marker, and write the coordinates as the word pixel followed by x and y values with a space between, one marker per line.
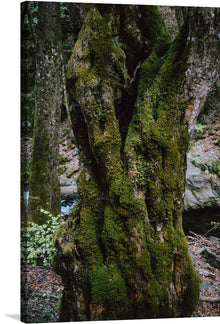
pixel 66 204
pixel 26 197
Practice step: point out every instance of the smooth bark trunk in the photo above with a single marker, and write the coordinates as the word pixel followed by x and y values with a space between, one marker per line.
pixel 44 184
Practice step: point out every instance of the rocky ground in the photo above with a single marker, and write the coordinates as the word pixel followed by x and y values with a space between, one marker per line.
pixel 205 254
pixel 203 166
pixel 69 163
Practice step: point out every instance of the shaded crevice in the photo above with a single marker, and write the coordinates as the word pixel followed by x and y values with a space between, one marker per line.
pixel 124 111
pixel 201 221
pixel 81 135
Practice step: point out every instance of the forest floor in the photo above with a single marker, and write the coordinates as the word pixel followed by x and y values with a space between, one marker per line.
pixel 42 288
pixel 41 292
pixel 205 256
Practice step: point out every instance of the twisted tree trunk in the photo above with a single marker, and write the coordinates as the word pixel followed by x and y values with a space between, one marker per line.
pixel 122 253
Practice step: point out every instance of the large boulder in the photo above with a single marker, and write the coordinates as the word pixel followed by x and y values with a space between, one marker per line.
pixel 203 159
pixel 202 183
pixel 69 192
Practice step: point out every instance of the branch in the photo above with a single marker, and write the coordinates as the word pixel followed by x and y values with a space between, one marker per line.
pixel 209 299
pixel 212 229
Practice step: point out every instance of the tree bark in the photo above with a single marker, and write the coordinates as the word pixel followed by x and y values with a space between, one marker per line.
pixel 122 253
pixel 43 182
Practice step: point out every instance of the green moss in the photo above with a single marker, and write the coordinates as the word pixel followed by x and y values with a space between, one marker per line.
pixel 156 27
pixel 27 114
pixel 216 168
pixel 90 220
pixel 155 148
pixel 148 72
pixel 158 151
pixel 62 170
pixel 63 159
pixel 109 289
pixel 128 226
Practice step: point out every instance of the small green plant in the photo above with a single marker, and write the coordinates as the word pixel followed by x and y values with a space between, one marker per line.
pixel 37 246
pixel 26 165
pixel 217 143
pixel 211 132
pixel 58 304
pixel 63 11
pixel 214 90
pixel 215 167
pixel 199 127
pixel 62 170
pixel 63 159
pixel 117 41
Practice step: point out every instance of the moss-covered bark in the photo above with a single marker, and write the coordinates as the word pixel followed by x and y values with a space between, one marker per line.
pixel 43 183
pixel 122 252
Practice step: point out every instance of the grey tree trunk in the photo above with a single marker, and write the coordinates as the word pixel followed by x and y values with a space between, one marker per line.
pixel 44 184
pixel 122 253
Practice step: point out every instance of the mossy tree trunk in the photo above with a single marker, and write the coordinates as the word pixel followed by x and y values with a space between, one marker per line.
pixel 122 253
pixel 28 66
pixel 43 183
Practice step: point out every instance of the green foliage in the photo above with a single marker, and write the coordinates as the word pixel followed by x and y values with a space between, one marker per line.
pixel 58 304
pixel 64 11
pixel 37 247
pixel 216 88
pixel 63 159
pixel 35 20
pixel 34 11
pixel 26 166
pixel 216 168
pixel 117 41
pixel 62 170
pixel 199 127
pixel 34 7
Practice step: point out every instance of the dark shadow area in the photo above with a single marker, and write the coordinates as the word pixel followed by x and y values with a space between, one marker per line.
pixel 202 221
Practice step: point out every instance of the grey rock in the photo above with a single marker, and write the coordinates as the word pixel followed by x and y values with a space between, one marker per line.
pixel 212 258
pixel 191 168
pixel 201 251
pixel 206 273
pixel 202 182
pixel 194 262
pixel 214 239
pixel 190 200
pixel 71 170
pixel 202 190
pixel 69 192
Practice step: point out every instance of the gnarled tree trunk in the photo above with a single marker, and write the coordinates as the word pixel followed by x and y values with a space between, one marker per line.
pixel 43 183
pixel 122 253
